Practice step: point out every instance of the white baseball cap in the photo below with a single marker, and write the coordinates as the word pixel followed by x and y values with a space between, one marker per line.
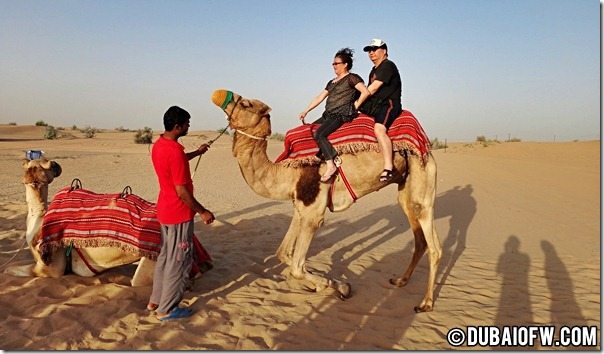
pixel 374 44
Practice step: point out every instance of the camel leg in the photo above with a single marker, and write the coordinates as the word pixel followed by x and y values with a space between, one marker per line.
pixel 286 249
pixel 143 275
pixel 311 218
pixel 420 244
pixel 417 200
pixel 55 269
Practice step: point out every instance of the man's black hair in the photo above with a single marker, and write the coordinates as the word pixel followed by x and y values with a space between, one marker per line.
pixel 175 116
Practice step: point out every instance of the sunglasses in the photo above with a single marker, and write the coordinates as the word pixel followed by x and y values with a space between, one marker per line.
pixel 334 64
pixel 373 49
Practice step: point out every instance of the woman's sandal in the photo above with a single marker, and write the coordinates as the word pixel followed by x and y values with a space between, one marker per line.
pixel 386 177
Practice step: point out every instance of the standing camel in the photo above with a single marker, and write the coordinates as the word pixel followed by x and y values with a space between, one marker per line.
pixel 416 192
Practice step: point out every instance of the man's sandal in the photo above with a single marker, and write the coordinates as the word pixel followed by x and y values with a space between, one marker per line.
pixel 387 176
pixel 176 313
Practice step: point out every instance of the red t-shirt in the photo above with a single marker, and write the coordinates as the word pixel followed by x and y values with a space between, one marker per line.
pixel 172 169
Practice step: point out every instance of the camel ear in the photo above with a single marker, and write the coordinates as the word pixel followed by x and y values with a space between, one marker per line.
pixel 264 110
pixel 56 168
pixel 45 164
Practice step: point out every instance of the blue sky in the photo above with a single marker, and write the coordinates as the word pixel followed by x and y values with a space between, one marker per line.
pixel 528 69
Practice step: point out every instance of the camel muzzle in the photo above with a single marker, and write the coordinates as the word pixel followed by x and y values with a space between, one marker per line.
pixel 222 98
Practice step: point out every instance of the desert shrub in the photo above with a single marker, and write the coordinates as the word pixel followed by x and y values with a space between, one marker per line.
pixel 41 123
pixel 435 144
pixel 122 129
pixel 144 136
pixel 89 132
pixel 486 142
pixel 278 136
pixel 514 140
pixel 226 132
pixel 12 123
pixel 50 133
pixel 74 127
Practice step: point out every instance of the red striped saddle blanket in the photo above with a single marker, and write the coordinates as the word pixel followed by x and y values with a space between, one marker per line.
pixel 406 133
pixel 83 218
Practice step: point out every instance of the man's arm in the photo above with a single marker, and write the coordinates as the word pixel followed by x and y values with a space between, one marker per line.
pixel 200 151
pixel 190 201
pixel 375 85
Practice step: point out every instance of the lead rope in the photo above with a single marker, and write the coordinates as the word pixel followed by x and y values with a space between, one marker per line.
pixel 15 255
pixel 209 144
pixel 227 100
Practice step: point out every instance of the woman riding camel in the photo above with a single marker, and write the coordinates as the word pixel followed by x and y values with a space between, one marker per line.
pixel 345 93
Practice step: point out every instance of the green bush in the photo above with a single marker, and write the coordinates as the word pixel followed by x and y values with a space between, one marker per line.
pixel 278 136
pixel 144 136
pixel 41 123
pixel 89 132
pixel 50 133
pixel 226 132
pixel 435 144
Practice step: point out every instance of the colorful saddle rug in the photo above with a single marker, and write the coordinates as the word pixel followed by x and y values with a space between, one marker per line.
pixel 406 133
pixel 83 218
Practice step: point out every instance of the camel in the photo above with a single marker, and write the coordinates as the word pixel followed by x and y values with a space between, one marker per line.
pixel 38 175
pixel 250 120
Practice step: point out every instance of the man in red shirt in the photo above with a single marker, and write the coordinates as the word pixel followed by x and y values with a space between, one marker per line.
pixel 176 208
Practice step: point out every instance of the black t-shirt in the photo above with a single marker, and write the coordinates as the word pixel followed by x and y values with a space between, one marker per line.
pixel 342 94
pixel 386 72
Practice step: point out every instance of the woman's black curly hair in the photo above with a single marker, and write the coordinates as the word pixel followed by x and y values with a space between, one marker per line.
pixel 345 54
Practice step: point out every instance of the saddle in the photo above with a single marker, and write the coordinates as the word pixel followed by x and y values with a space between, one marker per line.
pixel 80 218
pixel 406 133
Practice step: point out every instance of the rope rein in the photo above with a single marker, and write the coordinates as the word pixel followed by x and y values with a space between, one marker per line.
pixel 15 255
pixel 227 100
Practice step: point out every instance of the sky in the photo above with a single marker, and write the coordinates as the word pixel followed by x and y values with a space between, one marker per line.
pixel 525 69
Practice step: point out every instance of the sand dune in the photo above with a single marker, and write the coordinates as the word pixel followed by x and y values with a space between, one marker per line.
pixel 519 224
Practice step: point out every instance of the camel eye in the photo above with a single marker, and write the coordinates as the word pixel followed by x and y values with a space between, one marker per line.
pixel 246 103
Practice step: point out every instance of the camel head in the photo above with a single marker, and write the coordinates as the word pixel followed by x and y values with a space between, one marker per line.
pixel 38 175
pixel 248 116
pixel 40 172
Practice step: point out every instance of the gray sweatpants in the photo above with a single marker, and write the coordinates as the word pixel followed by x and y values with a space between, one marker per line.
pixel 173 266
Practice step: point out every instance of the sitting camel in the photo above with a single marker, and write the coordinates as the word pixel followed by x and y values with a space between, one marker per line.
pixel 416 181
pixel 38 175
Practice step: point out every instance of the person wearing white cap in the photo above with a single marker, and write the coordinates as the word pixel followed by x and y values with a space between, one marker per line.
pixel 344 93
pixel 384 105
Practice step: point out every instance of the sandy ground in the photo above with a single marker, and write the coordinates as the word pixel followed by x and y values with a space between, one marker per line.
pixel 519 224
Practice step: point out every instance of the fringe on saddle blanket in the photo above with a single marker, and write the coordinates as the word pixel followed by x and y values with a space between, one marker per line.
pixel 406 134
pixel 83 218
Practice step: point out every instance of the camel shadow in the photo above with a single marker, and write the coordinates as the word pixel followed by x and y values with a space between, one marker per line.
pixel 461 206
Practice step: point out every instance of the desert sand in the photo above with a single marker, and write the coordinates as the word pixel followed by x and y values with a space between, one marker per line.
pixel 519 223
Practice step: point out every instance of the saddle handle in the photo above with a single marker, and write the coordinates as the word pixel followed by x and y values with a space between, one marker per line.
pixel 75 184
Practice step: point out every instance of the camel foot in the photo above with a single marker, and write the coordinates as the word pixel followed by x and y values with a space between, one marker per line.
pixel 400 282
pixel 423 308
pixel 343 290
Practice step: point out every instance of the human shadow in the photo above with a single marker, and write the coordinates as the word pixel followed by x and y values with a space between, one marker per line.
pixel 515 307
pixel 564 308
pixel 458 204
